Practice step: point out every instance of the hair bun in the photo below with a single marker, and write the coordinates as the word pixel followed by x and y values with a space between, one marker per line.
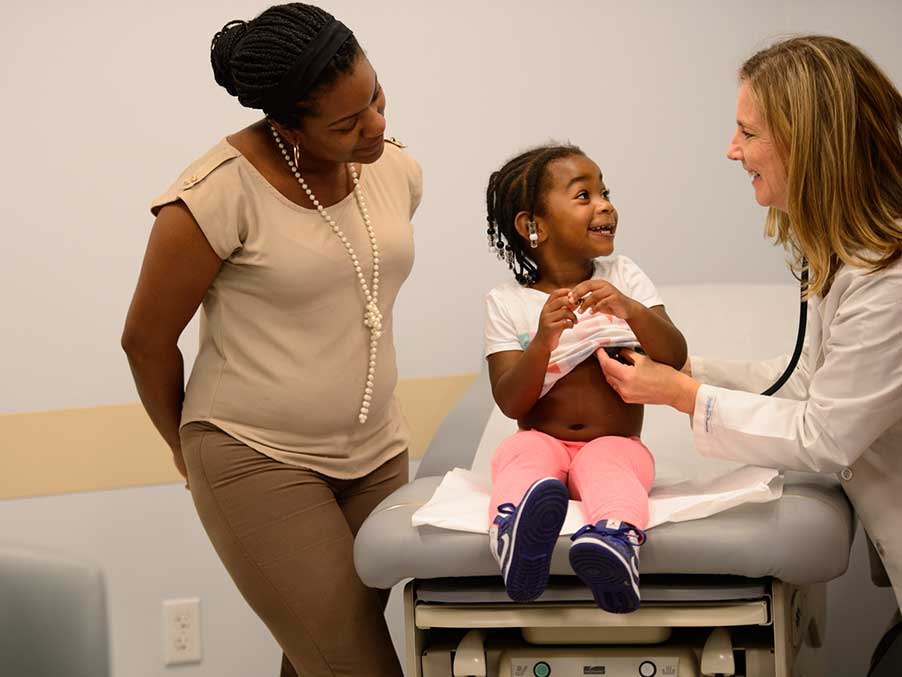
pixel 221 50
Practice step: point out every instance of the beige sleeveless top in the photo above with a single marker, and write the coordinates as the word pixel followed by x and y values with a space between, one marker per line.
pixel 283 351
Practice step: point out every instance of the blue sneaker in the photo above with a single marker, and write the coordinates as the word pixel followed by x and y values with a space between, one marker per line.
pixel 605 556
pixel 522 537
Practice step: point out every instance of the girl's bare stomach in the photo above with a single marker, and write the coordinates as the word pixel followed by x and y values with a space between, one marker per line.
pixel 582 406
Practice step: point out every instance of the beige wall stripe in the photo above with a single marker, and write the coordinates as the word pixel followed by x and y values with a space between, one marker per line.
pixel 113 447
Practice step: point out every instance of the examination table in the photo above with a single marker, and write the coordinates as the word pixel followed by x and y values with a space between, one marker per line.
pixel 741 592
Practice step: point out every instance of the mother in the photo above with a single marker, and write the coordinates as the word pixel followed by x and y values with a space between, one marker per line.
pixel 818 130
pixel 294 234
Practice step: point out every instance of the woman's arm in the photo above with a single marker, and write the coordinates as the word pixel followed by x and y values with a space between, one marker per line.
pixel 757 375
pixel 179 266
pixel 647 381
pixel 854 397
pixel 752 375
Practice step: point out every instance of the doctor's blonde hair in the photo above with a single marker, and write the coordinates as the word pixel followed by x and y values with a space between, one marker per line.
pixel 836 120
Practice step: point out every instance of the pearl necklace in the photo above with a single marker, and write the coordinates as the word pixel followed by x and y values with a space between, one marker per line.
pixel 372 317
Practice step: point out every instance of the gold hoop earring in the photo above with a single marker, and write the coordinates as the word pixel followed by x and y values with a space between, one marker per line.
pixel 297 156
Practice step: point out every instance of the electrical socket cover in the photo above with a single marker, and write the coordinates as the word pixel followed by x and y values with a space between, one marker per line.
pixel 181 631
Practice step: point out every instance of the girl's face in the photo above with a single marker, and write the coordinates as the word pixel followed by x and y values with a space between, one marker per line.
pixel 579 218
pixel 754 147
pixel 350 120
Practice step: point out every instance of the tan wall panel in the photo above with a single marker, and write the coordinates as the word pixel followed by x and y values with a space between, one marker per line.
pixel 113 447
pixel 426 401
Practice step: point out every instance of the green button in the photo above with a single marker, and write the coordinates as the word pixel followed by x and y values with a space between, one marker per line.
pixel 541 669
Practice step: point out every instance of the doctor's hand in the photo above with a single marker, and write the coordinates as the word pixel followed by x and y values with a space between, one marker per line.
pixel 645 381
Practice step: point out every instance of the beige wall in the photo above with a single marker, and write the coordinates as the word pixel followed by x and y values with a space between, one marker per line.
pixel 114 447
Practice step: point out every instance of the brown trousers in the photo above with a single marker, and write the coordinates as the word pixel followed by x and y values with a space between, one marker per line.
pixel 286 537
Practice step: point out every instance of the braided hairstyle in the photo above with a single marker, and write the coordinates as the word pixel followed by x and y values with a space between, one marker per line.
pixel 251 57
pixel 520 186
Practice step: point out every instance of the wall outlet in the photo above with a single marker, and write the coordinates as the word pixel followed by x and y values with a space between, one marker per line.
pixel 181 631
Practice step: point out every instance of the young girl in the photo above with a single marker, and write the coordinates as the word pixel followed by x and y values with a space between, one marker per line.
pixel 551 219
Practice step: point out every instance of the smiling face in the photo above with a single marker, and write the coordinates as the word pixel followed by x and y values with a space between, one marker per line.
pixel 349 121
pixel 754 147
pixel 577 216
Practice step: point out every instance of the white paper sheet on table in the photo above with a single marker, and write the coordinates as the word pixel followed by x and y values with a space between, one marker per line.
pixel 687 486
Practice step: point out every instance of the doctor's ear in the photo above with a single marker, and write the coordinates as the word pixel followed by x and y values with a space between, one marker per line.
pixel 530 229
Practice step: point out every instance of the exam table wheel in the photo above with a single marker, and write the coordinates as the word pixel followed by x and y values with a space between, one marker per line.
pixel 469 659
pixel 717 656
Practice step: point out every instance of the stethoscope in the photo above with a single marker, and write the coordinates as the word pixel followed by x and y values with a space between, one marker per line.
pixel 796 353
pixel 800 339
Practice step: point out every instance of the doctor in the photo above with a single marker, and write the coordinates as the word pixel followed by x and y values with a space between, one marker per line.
pixel 818 131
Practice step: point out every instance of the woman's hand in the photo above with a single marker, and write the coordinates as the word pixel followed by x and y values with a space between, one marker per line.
pixel 600 296
pixel 556 316
pixel 648 382
pixel 687 368
pixel 179 462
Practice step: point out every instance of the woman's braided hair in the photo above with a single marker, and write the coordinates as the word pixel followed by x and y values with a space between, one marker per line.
pixel 520 186
pixel 250 58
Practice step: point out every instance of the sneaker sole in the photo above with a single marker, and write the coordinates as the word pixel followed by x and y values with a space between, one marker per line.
pixel 606 574
pixel 535 533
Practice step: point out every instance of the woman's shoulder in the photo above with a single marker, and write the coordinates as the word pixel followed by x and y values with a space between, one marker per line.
pixel 219 156
pixel 865 267
pixel 864 279
pixel 396 159
pixel 202 167
pixel 397 170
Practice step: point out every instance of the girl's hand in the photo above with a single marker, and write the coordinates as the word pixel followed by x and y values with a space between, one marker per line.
pixel 648 382
pixel 600 296
pixel 557 315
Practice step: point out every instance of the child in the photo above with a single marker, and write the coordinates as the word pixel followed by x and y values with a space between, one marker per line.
pixel 551 219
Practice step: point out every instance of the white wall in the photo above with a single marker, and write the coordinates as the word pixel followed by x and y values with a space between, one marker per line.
pixel 106 102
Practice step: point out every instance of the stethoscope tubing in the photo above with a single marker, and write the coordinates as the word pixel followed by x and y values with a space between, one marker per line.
pixel 800 338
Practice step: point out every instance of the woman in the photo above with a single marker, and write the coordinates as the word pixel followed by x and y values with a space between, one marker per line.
pixel 294 234
pixel 818 132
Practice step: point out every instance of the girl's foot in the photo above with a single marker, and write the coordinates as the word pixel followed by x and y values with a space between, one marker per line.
pixel 605 556
pixel 522 537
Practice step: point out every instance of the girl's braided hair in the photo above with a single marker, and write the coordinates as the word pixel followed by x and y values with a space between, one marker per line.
pixel 520 186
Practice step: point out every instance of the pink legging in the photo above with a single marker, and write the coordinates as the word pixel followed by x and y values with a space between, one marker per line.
pixel 611 475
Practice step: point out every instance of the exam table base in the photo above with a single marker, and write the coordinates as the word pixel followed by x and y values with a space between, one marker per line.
pixel 776 632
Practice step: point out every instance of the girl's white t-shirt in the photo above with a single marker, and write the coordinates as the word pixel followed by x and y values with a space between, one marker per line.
pixel 512 318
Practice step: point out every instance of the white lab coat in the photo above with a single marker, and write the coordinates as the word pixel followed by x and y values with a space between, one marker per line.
pixel 841 412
